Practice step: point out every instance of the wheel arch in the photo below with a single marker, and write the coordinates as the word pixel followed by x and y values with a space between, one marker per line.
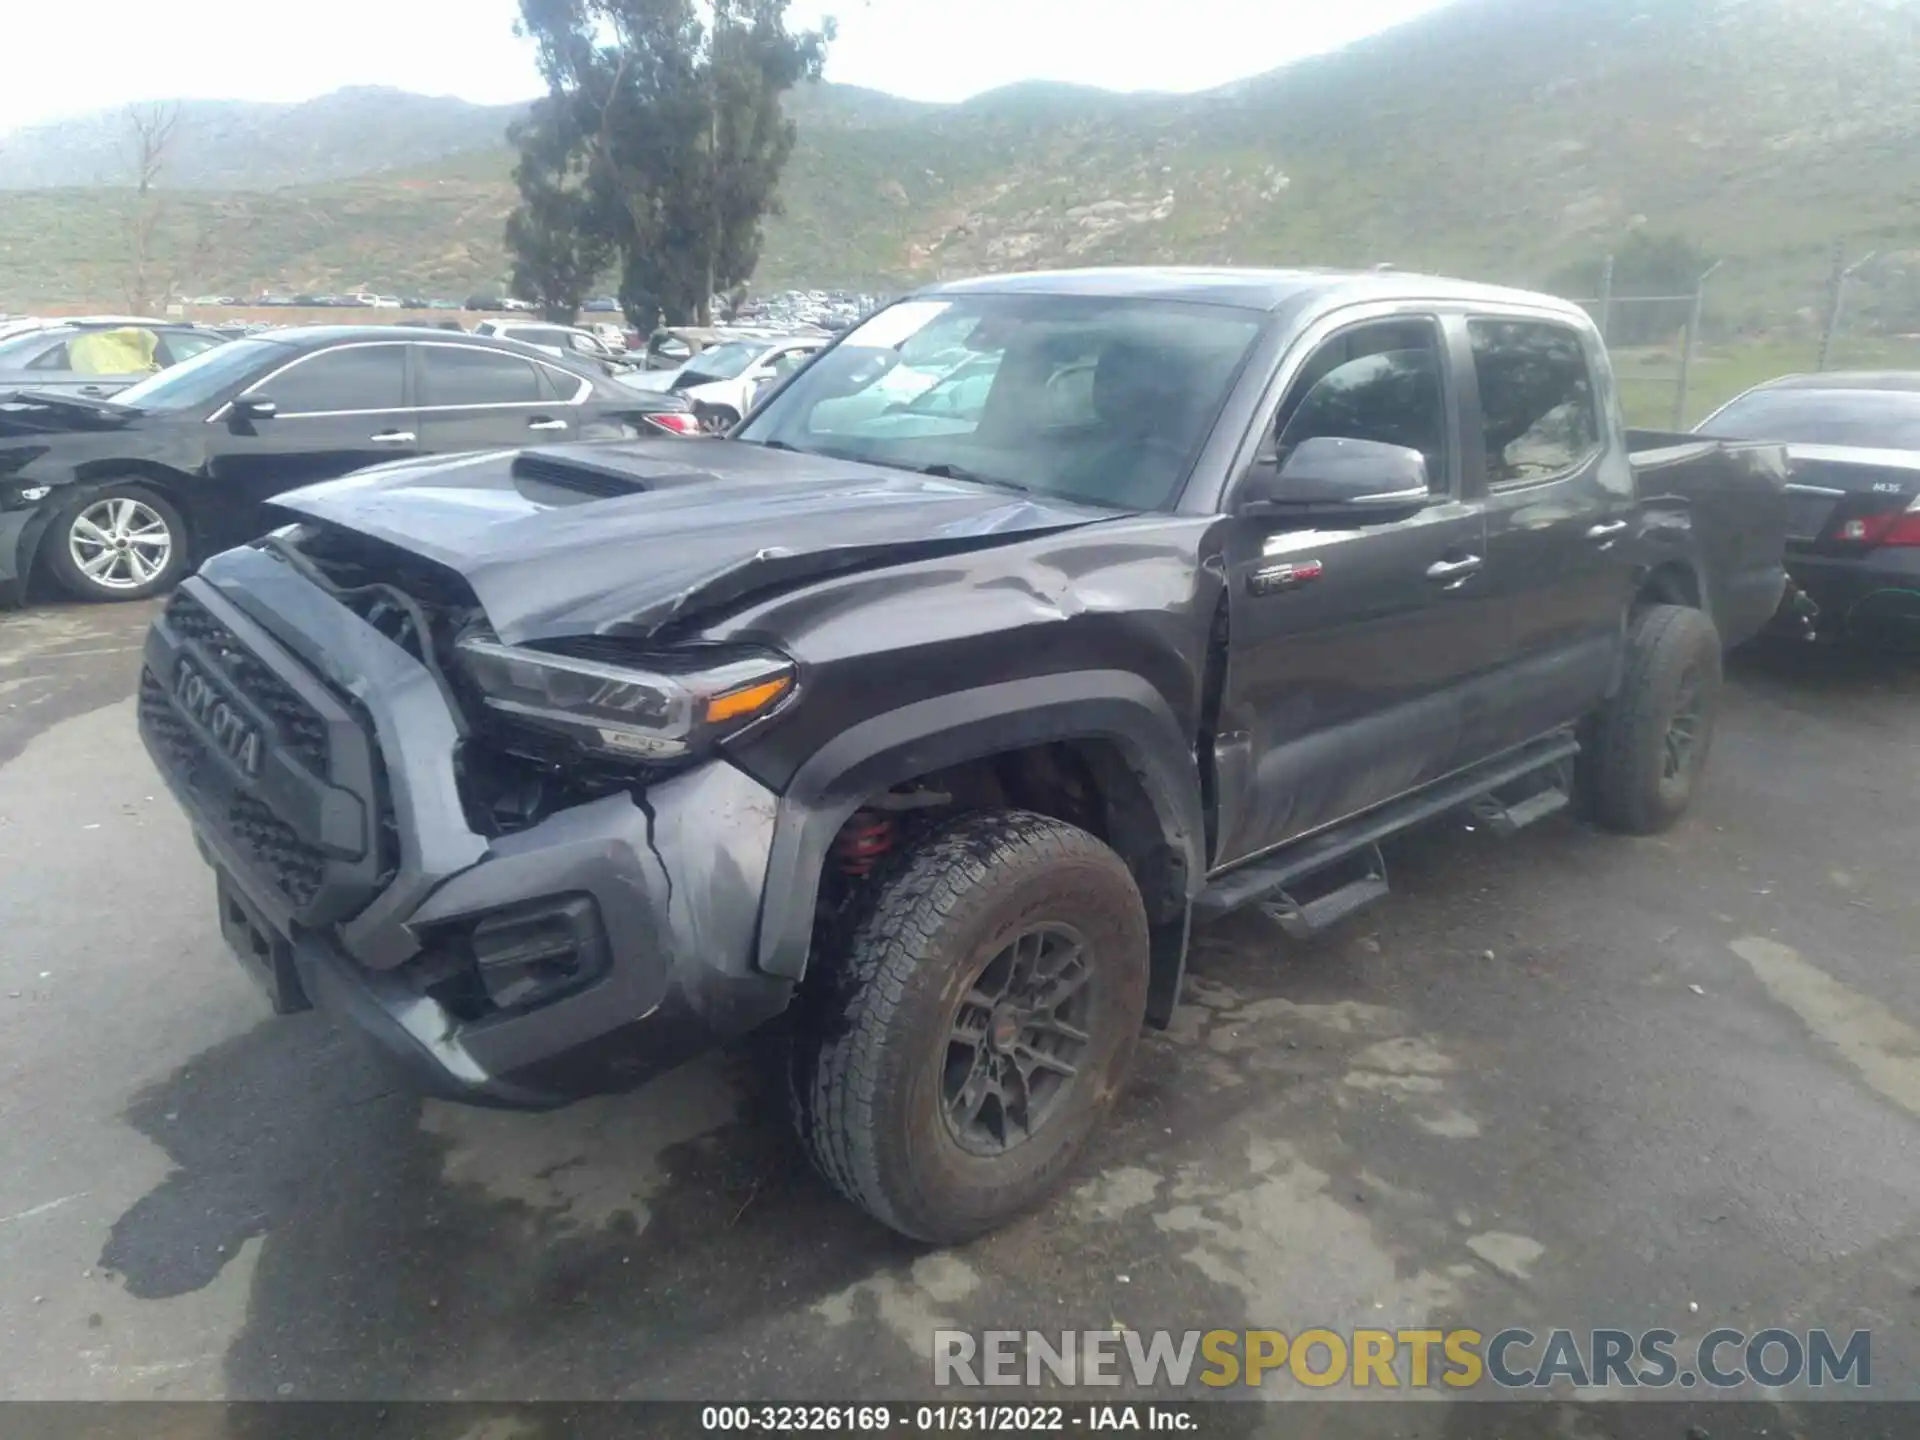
pixel 1115 722
pixel 96 477
pixel 1673 582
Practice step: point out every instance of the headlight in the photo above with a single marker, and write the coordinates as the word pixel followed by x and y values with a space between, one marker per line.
pixel 637 711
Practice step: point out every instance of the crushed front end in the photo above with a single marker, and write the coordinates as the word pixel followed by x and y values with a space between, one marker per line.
pixel 521 902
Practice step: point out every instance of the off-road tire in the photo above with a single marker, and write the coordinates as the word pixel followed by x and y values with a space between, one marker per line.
pixel 57 547
pixel 869 1056
pixel 1671 649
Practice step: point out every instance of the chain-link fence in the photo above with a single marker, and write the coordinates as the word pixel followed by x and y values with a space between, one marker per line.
pixel 1682 354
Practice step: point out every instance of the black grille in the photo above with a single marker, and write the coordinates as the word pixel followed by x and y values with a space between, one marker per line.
pixel 281 856
pixel 184 751
pixel 302 733
pixel 292 864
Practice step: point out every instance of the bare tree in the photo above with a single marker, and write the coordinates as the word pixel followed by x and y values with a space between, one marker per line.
pixel 151 129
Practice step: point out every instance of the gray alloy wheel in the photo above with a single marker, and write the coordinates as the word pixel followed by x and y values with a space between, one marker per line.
pixel 120 543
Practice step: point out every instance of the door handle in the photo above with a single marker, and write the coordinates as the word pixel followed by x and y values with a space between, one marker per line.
pixel 1607 530
pixel 393 437
pixel 546 424
pixel 1452 572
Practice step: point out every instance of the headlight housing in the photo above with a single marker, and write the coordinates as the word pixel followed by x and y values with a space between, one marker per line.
pixel 653 708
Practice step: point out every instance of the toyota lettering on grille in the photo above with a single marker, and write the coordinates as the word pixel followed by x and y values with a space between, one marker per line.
pixel 224 725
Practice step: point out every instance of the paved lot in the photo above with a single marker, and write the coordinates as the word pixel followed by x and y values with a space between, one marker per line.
pixel 1571 1080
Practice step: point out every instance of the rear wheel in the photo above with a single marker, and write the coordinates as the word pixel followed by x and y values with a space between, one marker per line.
pixel 123 542
pixel 978 1027
pixel 1650 741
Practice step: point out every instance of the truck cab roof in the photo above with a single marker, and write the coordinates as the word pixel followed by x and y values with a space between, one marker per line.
pixel 1252 289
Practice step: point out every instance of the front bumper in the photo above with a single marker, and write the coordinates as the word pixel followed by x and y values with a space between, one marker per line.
pixel 1877 591
pixel 20 532
pixel 360 886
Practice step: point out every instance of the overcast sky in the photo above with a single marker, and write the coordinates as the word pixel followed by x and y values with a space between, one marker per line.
pixel 68 58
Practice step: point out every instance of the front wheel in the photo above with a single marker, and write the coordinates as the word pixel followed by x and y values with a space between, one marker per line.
pixel 978 1027
pixel 121 543
pixel 1650 741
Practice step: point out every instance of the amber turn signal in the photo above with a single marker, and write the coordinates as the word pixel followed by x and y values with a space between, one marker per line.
pixel 748 701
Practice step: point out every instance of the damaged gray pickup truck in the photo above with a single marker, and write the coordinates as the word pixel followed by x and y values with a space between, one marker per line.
pixel 1036 620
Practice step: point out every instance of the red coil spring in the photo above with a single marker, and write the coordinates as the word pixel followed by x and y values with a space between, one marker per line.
pixel 862 841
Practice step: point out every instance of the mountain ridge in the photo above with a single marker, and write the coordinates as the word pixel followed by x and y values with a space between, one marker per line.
pixel 1494 138
pixel 258 145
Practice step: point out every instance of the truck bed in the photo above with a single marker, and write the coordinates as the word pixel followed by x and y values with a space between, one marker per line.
pixel 1734 493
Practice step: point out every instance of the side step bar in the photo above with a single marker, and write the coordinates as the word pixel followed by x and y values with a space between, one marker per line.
pixel 1269 879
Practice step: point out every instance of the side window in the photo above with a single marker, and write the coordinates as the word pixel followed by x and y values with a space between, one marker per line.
pixel 1537 399
pixel 788 361
pixel 359 377
pixel 178 345
pixel 51 359
pixel 459 375
pixel 1379 382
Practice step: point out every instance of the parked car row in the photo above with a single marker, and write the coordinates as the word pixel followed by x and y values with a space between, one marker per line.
pixel 116 497
pixel 728 369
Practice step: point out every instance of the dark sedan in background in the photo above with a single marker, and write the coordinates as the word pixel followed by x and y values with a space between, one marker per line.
pixel 1853 447
pixel 116 497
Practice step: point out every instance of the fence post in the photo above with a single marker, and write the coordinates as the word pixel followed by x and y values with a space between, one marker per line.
pixel 1605 318
pixel 1686 347
pixel 1842 273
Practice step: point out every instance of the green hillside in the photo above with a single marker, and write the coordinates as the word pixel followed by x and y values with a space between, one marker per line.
pixel 1499 138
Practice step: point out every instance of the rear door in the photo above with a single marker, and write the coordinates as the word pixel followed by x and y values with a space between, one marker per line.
pixel 337 410
pixel 476 398
pixel 1560 503
pixel 1352 652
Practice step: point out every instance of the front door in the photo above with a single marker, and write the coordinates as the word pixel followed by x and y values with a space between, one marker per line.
pixel 1559 510
pixel 336 411
pixel 1351 651
pixel 475 398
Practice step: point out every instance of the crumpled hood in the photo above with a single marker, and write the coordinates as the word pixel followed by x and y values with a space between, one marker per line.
pixel 633 537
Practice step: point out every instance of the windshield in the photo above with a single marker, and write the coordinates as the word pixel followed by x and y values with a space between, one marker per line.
pixel 1092 399
pixel 723 362
pixel 1872 419
pixel 205 378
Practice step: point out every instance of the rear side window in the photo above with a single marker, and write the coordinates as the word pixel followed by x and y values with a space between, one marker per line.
pixel 458 375
pixel 358 377
pixel 1537 400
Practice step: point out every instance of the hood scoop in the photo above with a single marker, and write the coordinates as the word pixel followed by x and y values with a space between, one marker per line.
pixel 583 477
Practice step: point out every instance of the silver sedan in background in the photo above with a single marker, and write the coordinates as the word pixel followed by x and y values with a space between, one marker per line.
pixel 97 359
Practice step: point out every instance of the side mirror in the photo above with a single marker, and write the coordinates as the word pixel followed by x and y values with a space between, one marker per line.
pixel 251 407
pixel 1352 481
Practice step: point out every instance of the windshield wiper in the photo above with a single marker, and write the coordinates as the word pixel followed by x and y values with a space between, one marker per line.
pixel 943 470
pixel 940 469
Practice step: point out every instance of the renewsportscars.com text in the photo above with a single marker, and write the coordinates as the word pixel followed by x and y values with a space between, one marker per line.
pixel 1513 1359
